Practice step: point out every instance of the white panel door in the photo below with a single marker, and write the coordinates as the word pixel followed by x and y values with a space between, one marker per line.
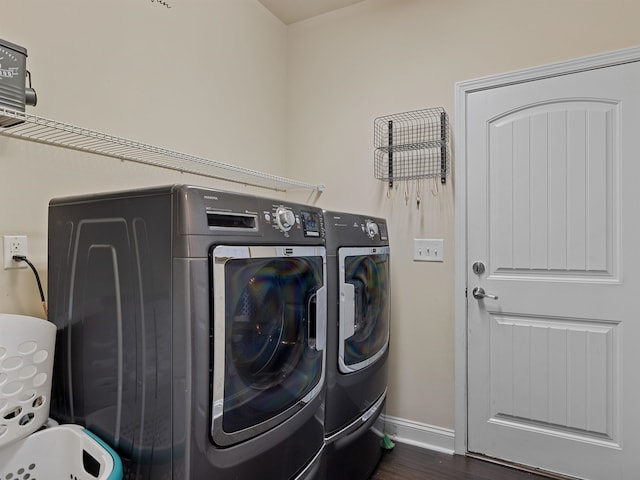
pixel 553 212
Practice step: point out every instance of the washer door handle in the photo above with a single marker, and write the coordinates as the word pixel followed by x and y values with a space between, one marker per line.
pixel 318 319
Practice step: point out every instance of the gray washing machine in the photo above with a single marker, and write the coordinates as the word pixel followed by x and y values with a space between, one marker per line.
pixel 192 330
pixel 358 343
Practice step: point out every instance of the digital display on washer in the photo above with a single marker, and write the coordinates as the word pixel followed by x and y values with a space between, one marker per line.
pixel 310 224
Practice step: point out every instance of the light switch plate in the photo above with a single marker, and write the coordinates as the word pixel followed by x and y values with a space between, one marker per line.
pixel 428 250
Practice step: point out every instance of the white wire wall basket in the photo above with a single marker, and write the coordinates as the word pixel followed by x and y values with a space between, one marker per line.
pixel 412 146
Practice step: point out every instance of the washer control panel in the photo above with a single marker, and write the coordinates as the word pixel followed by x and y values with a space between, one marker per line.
pixel 289 220
pixel 285 218
pixel 310 223
pixel 233 214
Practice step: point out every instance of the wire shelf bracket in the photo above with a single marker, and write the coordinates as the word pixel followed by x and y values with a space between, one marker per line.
pixel 51 132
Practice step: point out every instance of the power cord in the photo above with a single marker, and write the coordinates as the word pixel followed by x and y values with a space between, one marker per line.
pixel 22 258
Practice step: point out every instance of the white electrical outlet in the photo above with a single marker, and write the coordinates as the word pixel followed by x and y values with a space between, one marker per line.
pixel 14 245
pixel 428 250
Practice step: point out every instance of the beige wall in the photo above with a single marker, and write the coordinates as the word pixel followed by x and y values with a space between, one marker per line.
pixel 224 79
pixel 206 77
pixel 387 56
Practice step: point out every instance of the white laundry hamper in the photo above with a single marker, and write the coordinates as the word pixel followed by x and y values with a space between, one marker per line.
pixel 62 452
pixel 26 366
pixel 27 450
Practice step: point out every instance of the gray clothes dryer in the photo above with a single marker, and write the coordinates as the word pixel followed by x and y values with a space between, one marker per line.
pixel 191 331
pixel 358 343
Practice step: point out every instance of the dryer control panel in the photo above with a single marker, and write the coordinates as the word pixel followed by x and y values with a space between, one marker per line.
pixel 372 229
pixel 348 228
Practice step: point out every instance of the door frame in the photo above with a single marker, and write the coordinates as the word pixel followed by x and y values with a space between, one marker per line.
pixel 462 89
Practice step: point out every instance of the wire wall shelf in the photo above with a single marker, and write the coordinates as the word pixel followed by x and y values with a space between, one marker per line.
pixel 52 132
pixel 412 146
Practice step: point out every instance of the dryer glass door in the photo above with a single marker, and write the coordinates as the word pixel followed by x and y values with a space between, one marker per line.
pixel 269 331
pixel 364 306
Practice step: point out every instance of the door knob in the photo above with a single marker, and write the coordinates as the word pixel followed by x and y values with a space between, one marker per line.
pixel 479 293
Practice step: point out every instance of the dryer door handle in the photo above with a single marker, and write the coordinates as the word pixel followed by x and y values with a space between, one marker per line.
pixel 347 311
pixel 318 319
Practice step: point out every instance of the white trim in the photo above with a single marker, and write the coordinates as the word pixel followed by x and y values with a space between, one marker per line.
pixel 462 89
pixel 581 64
pixel 460 282
pixel 419 434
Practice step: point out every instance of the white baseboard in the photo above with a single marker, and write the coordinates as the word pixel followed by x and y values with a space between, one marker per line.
pixel 419 434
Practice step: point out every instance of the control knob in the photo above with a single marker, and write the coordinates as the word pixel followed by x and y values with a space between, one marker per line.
pixel 372 229
pixel 285 219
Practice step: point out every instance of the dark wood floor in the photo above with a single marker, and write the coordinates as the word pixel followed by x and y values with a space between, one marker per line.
pixel 406 462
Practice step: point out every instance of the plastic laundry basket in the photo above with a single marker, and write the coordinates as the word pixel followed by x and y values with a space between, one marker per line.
pixel 62 452
pixel 26 364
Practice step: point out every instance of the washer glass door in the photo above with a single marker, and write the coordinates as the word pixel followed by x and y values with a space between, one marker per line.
pixel 364 306
pixel 269 331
